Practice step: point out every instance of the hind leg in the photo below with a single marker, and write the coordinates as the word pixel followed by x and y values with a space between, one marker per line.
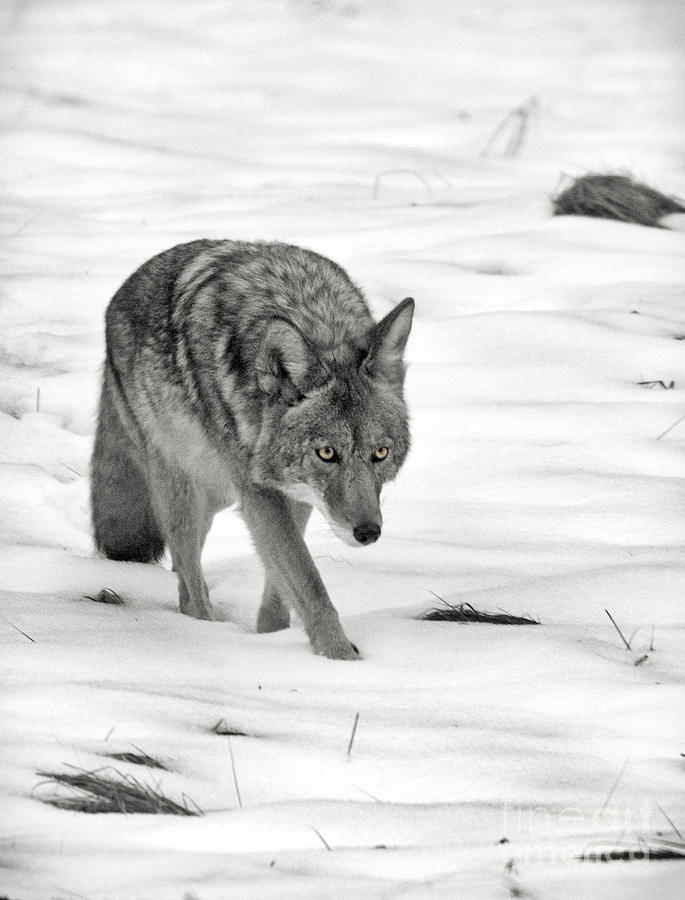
pixel 274 614
pixel 185 517
pixel 124 523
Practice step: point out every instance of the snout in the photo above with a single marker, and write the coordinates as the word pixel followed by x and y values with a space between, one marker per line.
pixel 367 532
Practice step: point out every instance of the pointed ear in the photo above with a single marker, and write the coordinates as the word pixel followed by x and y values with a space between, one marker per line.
pixel 388 340
pixel 286 365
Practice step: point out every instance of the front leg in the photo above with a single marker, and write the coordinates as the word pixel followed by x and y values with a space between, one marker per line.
pixel 291 571
pixel 274 613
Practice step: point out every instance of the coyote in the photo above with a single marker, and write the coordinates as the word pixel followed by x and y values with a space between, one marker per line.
pixel 248 372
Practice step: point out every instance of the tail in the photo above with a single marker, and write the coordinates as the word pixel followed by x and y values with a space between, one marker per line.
pixel 124 522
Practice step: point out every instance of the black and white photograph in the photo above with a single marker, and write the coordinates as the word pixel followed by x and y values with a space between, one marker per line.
pixel 342 449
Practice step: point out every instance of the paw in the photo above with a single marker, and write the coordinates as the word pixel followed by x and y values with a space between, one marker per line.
pixel 339 648
pixel 271 618
pixel 197 611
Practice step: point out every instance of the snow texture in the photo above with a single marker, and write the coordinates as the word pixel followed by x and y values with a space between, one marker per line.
pixel 417 144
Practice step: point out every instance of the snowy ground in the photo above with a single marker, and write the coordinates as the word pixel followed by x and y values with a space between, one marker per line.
pixel 541 481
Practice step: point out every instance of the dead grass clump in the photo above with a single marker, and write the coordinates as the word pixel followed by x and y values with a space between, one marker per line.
pixel 106 595
pixel 646 849
pixel 664 385
pixel 108 790
pixel 138 759
pixel 466 613
pixel 222 727
pixel 615 197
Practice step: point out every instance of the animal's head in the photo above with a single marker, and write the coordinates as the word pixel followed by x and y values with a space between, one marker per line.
pixel 335 425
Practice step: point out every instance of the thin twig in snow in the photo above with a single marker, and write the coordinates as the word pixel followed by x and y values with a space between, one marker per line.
pixel 71 470
pixel 321 838
pixel 354 731
pixel 424 181
pixel 613 622
pixel 235 775
pixel 441 599
pixel 671 427
pixel 669 820
pixel 614 786
pixel 16 628
pixel 368 793
pixel 29 221
pixel 519 119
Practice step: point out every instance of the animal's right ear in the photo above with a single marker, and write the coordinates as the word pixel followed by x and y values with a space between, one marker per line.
pixel 286 365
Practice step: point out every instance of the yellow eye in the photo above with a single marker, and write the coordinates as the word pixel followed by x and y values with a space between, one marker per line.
pixel 380 453
pixel 327 454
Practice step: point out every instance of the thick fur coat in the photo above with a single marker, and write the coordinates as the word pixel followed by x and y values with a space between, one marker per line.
pixel 249 372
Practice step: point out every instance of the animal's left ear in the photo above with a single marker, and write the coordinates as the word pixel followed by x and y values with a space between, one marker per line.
pixel 388 340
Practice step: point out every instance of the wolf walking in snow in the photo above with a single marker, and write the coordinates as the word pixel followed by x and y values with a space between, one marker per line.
pixel 249 372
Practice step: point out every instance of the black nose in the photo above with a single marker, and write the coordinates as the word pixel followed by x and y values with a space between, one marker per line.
pixel 367 533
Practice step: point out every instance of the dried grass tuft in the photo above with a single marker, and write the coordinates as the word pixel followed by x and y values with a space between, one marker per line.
pixel 108 790
pixel 106 595
pixel 616 197
pixel 138 759
pixel 222 727
pixel 645 849
pixel 466 613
